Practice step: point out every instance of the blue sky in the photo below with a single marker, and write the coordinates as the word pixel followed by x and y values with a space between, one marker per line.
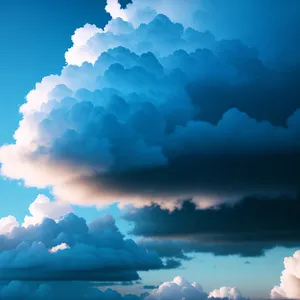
pixel 35 36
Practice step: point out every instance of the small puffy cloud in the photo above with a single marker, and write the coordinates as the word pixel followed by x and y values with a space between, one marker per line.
pixel 290 279
pixel 226 292
pixel 59 247
pixel 42 208
pixel 7 224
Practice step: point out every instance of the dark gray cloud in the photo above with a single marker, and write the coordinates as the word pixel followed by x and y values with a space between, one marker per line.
pixel 246 228
pixel 71 249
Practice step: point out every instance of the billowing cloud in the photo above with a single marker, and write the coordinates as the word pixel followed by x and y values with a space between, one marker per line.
pixel 244 228
pixel 7 224
pixel 290 279
pixel 69 248
pixel 226 292
pixel 179 288
pixel 122 122
pixel 42 208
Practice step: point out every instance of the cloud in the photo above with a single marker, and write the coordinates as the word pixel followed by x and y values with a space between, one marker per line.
pixel 7 224
pixel 69 248
pixel 122 122
pixel 244 227
pixel 149 287
pixel 42 208
pixel 57 290
pixel 263 25
pixel 290 279
pixel 179 288
pixel 59 247
pixel 260 100
pixel 226 292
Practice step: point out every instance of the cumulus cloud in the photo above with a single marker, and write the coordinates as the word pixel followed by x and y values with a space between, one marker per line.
pixel 244 228
pixel 120 123
pixel 69 248
pixel 179 288
pixel 290 279
pixel 7 224
pixel 226 292
pixel 42 208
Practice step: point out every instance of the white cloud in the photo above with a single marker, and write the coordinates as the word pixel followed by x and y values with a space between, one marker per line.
pixel 39 209
pixel 290 279
pixel 179 289
pixel 59 247
pixel 42 208
pixel 7 224
pixel 226 292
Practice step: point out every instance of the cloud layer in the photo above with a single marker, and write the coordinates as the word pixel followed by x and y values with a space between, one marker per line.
pixel 177 289
pixel 248 227
pixel 132 118
pixel 20 290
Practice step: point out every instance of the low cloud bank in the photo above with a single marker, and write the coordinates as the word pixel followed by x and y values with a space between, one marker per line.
pixel 68 248
pixel 179 288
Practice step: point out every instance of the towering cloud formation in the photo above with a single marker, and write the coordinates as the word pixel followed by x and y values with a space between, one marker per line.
pixel 290 279
pixel 124 121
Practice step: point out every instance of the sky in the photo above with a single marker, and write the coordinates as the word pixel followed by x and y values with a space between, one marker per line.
pixel 146 146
